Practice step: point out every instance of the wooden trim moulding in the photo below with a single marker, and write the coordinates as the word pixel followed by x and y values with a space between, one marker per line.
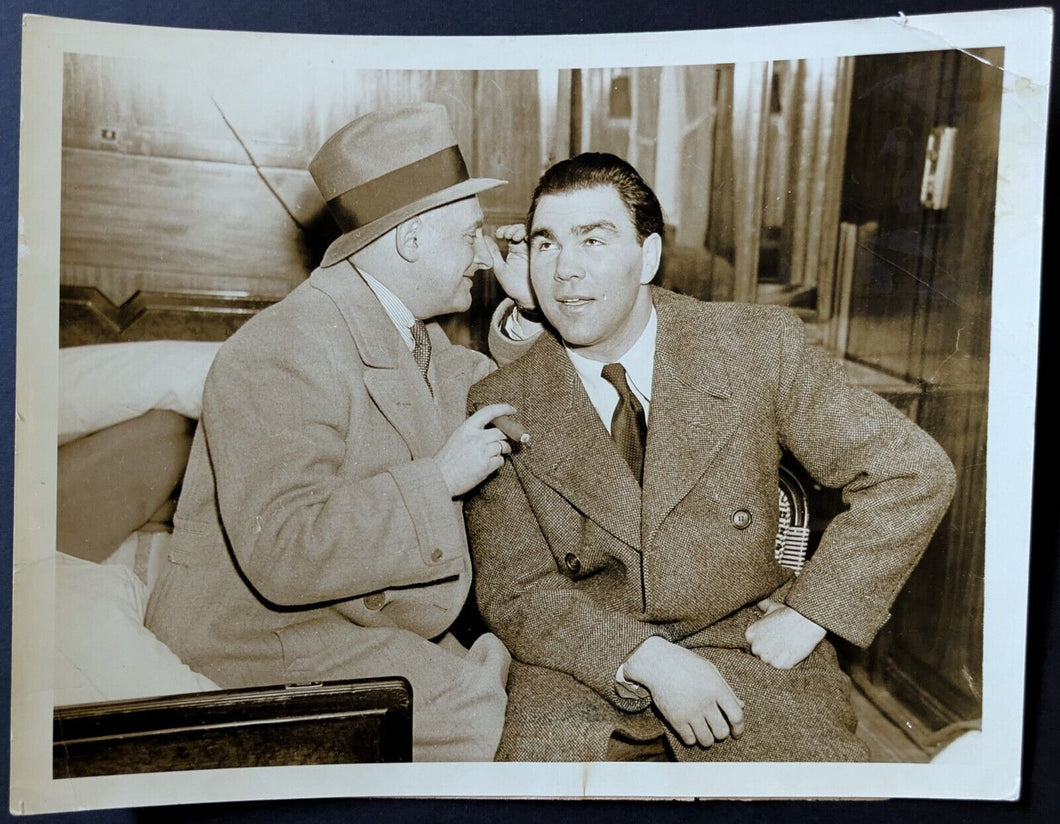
pixel 121 317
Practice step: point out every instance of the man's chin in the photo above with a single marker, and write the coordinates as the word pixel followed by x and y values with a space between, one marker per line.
pixel 461 304
pixel 571 333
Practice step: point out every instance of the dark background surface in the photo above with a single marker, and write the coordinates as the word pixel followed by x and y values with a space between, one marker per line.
pixel 1040 796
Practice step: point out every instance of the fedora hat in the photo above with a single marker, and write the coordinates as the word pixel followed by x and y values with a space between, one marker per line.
pixel 385 167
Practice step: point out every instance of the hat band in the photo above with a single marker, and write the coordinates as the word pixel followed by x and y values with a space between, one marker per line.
pixel 385 194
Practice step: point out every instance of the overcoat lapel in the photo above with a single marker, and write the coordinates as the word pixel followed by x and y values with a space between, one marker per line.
pixel 571 451
pixel 390 374
pixel 692 412
pixel 449 367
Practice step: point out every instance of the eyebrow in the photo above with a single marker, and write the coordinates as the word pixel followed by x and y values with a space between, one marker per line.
pixel 583 229
pixel 542 232
pixel 587 228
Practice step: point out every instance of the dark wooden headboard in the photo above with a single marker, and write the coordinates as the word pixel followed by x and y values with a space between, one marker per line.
pixel 88 316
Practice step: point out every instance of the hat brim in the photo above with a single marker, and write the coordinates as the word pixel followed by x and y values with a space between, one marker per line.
pixel 351 242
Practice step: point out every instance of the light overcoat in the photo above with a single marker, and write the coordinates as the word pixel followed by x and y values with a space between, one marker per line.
pixel 313 510
pixel 576 565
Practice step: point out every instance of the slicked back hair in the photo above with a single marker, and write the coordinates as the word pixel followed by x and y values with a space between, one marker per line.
pixel 597 169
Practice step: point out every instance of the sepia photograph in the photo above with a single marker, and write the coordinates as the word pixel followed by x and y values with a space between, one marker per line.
pixel 391 410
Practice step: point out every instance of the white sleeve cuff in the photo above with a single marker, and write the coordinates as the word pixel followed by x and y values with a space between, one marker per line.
pixel 629 689
pixel 516 327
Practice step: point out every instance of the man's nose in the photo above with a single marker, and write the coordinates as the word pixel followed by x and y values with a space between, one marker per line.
pixel 483 259
pixel 568 265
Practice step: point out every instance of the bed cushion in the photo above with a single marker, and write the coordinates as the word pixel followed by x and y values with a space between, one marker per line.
pixel 112 482
pixel 103 652
pixel 108 383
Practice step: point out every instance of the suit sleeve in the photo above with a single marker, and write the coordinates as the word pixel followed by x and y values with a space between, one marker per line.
pixel 536 610
pixel 303 526
pixel 896 480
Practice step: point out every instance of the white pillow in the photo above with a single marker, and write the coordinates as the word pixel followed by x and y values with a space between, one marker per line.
pixel 103 652
pixel 145 554
pixel 108 383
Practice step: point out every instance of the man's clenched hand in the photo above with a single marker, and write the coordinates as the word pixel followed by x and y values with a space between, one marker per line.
pixel 783 637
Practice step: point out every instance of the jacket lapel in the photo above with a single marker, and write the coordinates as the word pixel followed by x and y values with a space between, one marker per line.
pixel 570 449
pixel 451 374
pixel 692 412
pixel 390 374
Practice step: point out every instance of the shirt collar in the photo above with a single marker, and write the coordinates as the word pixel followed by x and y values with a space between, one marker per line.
pixel 400 315
pixel 638 361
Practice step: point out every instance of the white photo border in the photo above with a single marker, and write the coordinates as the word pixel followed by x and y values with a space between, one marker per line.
pixel 1026 36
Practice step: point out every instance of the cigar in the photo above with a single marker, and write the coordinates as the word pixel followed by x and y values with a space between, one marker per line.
pixel 512 428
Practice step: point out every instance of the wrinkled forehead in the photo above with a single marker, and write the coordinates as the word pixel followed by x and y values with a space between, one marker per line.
pixel 573 210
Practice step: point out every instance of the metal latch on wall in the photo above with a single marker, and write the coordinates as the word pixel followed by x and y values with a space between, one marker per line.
pixel 938 167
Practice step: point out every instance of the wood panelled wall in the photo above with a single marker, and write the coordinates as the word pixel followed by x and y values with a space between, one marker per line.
pixel 179 180
pixel 667 133
pixel 159 191
pixel 920 310
pixel 279 111
pixel 134 222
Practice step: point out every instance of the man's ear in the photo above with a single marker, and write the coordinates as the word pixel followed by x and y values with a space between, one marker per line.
pixel 650 254
pixel 407 239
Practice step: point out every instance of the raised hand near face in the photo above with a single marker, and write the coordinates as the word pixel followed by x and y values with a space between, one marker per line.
pixel 513 271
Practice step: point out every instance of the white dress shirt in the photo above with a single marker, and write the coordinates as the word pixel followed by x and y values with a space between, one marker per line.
pixel 639 363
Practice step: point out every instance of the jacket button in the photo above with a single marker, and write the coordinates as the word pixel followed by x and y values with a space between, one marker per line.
pixel 571 561
pixel 741 519
pixel 375 601
pixel 436 555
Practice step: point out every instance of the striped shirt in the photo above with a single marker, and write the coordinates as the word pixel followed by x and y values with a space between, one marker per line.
pixel 400 315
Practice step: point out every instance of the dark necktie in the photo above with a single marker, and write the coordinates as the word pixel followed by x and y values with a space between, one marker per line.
pixel 628 426
pixel 421 352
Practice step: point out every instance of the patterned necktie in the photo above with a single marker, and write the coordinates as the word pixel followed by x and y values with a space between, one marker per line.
pixel 628 426
pixel 421 352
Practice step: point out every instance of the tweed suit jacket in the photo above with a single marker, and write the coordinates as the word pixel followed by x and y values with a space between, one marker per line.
pixel 312 501
pixel 577 565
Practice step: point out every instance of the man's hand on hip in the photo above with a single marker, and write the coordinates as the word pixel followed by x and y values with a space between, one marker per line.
pixel 688 690
pixel 783 637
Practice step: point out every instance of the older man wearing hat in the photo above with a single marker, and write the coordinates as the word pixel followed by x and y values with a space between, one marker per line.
pixel 320 531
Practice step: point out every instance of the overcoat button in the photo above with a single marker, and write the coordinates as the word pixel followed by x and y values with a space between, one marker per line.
pixel 375 601
pixel 741 519
pixel 436 555
pixel 572 563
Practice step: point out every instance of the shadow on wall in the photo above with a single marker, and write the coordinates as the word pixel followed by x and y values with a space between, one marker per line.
pixel 317 234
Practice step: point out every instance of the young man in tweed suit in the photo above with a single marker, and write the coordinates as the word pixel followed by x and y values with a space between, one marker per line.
pixel 626 555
